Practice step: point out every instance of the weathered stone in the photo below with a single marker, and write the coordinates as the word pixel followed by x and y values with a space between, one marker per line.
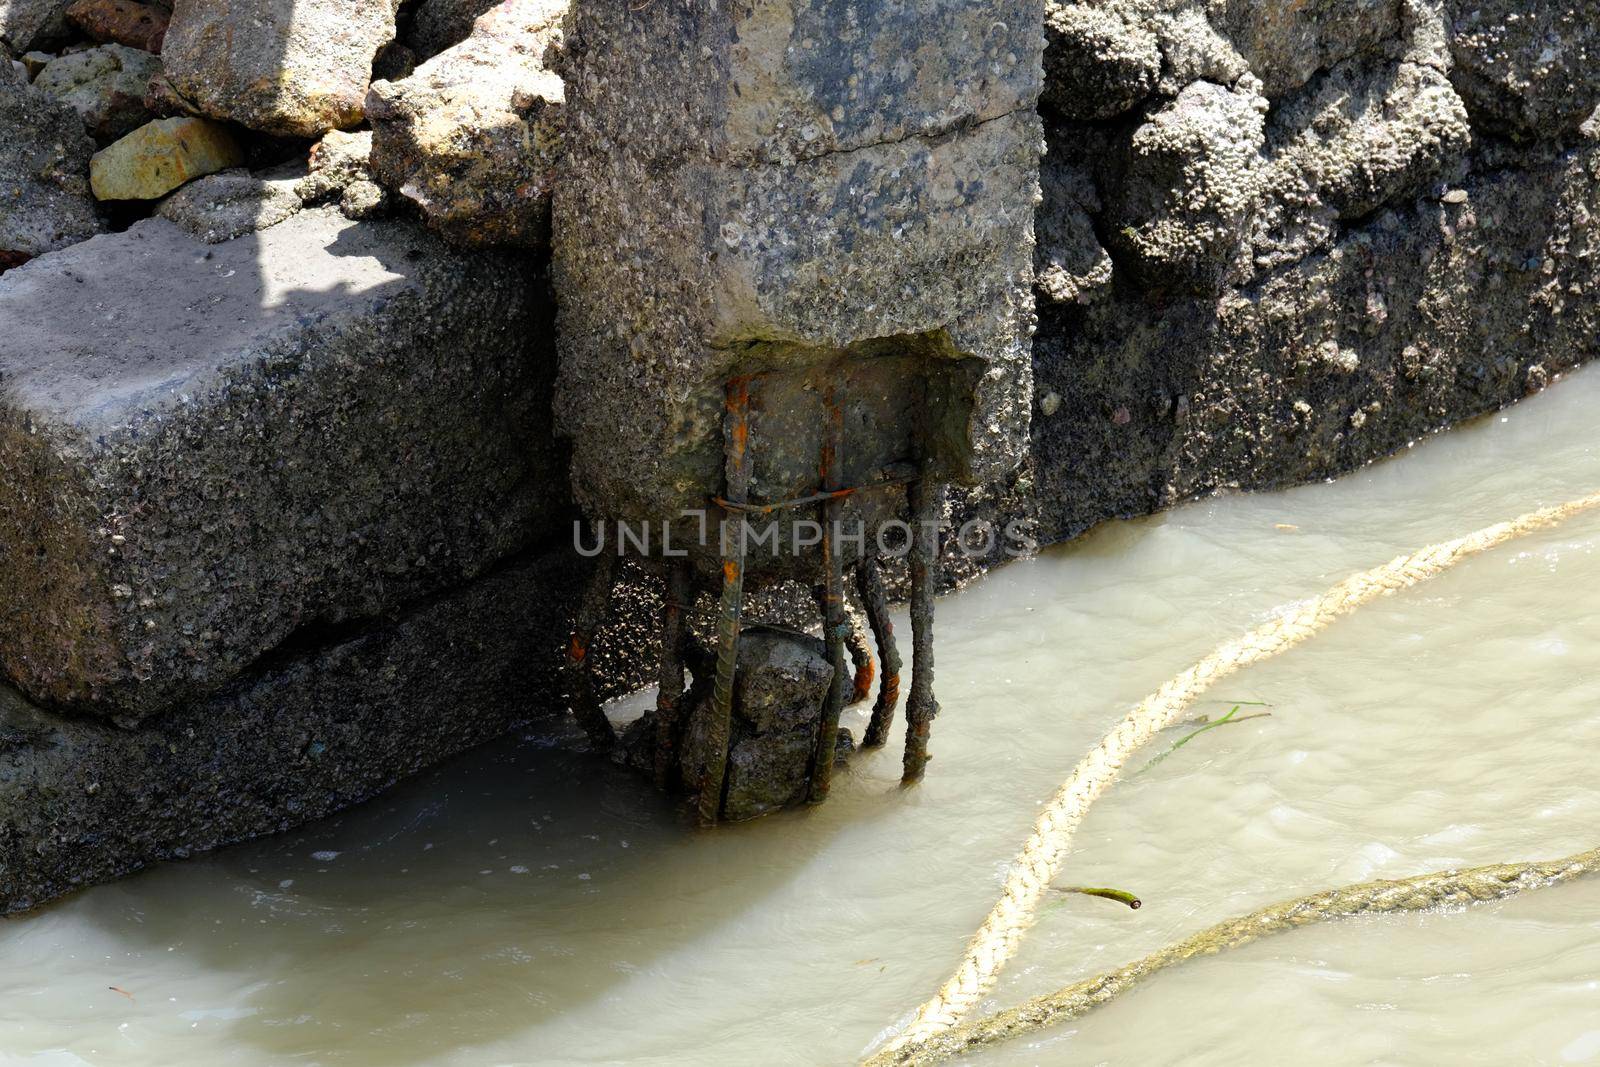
pixel 1423 313
pixel 224 206
pixel 160 156
pixel 337 161
pixel 473 137
pixel 44 163
pixel 1286 42
pixel 782 678
pixel 294 68
pixel 1370 135
pixel 126 22
pixel 34 62
pixel 1527 70
pixel 731 204
pixel 1097 64
pixel 1183 187
pixel 106 85
pixel 363 200
pixel 1069 264
pixel 439 24
pixel 302 426
pixel 30 24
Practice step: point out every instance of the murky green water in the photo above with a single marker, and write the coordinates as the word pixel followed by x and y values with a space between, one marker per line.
pixel 526 905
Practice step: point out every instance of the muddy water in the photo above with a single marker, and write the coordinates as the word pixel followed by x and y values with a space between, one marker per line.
pixel 528 905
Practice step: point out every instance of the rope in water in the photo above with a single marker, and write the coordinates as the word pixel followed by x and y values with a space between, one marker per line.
pixel 1040 862
pixel 1424 892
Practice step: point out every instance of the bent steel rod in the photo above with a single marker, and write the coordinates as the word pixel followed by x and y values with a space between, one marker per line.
pixel 861 665
pixel 673 608
pixel 591 613
pixel 869 582
pixel 927 511
pixel 834 622
pixel 736 435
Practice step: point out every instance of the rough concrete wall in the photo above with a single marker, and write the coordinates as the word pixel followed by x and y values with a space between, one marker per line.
pixel 1291 237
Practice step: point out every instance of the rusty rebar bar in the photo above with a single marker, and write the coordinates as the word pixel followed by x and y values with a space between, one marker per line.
pixel 835 624
pixel 590 615
pixel 674 606
pixel 927 513
pixel 862 667
pixel 869 582
pixel 736 446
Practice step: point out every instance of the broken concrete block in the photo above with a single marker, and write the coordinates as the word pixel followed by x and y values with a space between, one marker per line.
pixel 781 681
pixel 106 85
pixel 1183 187
pixel 473 136
pixel 30 24
pixel 1526 70
pixel 227 205
pixel 125 22
pixel 160 156
pixel 293 68
pixel 733 205
pixel 302 426
pixel 44 166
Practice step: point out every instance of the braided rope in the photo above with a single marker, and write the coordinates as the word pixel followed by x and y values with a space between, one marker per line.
pixel 1040 862
pixel 1423 892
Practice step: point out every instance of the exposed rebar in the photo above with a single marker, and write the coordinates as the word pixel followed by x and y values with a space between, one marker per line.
pixel 927 512
pixel 835 624
pixel 580 678
pixel 674 607
pixel 736 444
pixel 869 582
pixel 862 668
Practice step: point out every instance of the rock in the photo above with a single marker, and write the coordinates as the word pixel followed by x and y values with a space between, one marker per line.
pixel 1286 42
pixel 783 676
pixel 1069 264
pixel 363 200
pixel 1527 70
pixel 106 85
pixel 44 164
pixel 30 24
pixel 125 22
pixel 160 156
pixel 297 69
pixel 1183 188
pixel 393 62
pixel 1097 64
pixel 336 162
pixel 34 62
pixel 439 24
pixel 297 428
pixel 224 206
pixel 473 137
pixel 781 681
pixel 1370 135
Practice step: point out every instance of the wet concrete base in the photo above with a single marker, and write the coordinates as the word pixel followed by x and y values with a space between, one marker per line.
pixel 310 732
